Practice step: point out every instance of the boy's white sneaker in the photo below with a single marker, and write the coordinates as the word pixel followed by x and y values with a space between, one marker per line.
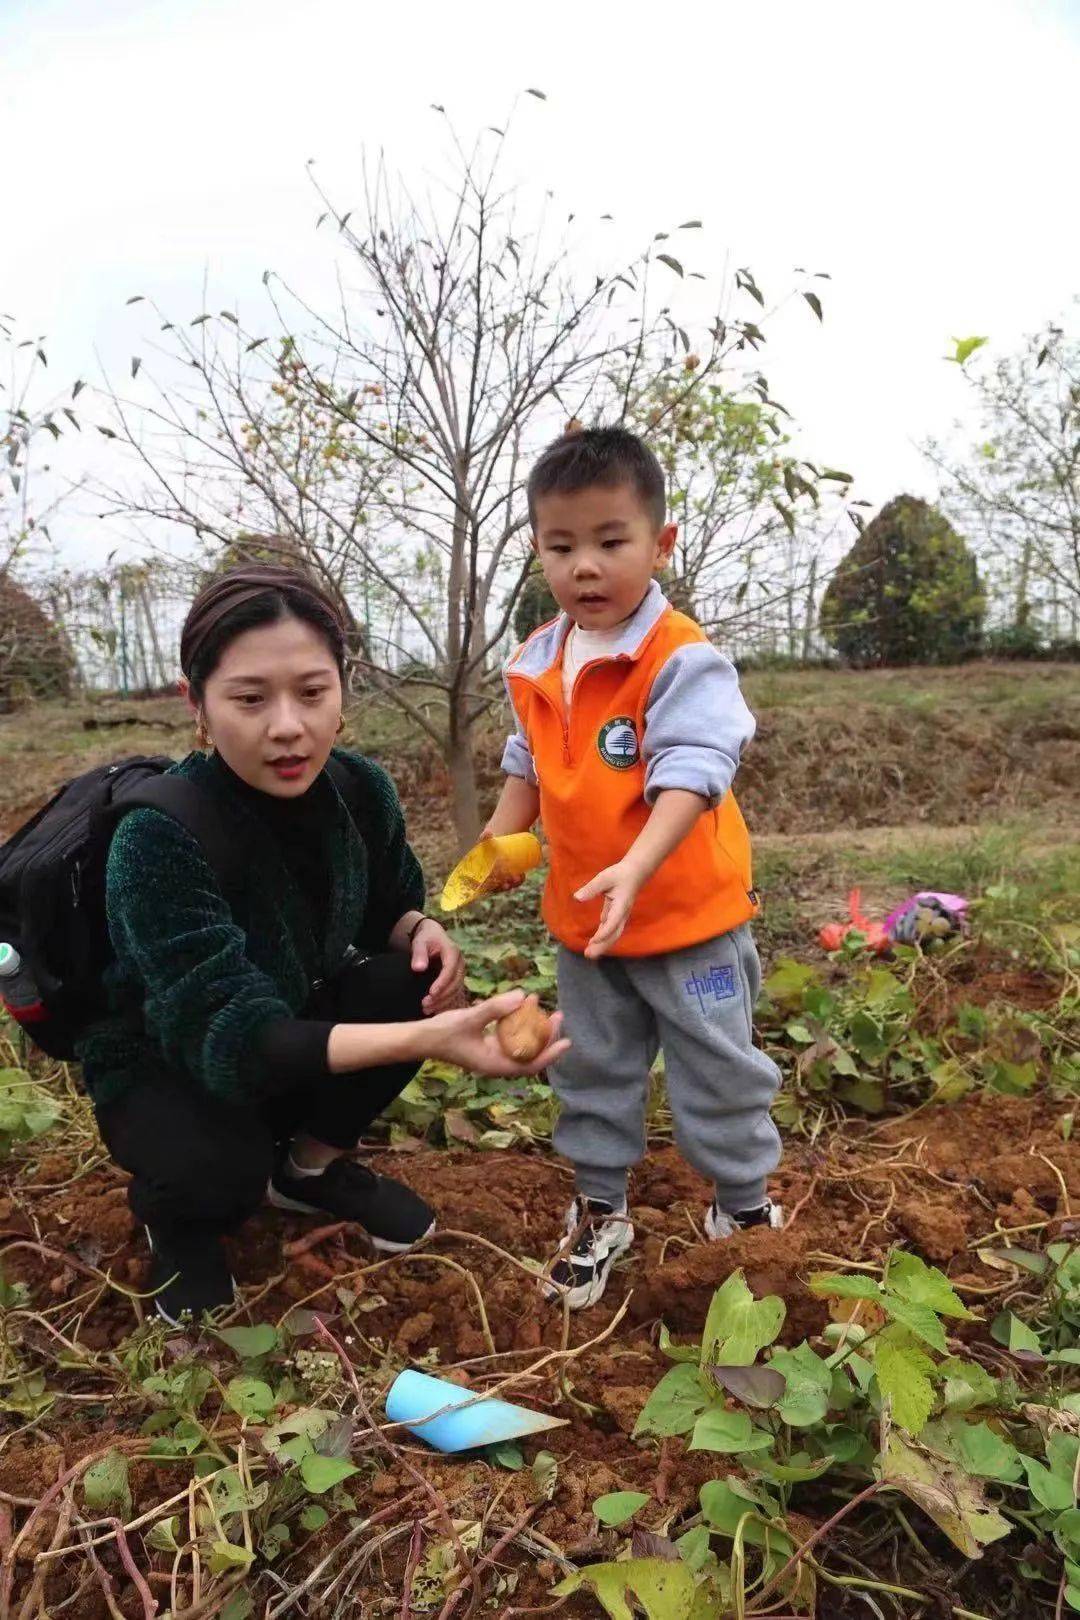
pixel 583 1264
pixel 721 1223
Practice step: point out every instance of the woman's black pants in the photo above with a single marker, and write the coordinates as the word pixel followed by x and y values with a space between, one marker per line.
pixel 198 1161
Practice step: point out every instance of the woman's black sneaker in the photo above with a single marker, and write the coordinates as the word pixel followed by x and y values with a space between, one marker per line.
pixel 188 1275
pixel 392 1215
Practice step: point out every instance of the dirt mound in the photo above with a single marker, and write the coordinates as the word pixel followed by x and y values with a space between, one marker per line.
pixel 933 1181
pixel 468 1304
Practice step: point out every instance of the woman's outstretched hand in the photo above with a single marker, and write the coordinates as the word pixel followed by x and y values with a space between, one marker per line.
pixel 465 1037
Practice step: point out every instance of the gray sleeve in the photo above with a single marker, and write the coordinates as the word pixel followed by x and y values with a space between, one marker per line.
pixel 517 759
pixel 696 725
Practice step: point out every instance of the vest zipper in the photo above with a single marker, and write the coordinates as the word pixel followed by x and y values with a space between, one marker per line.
pixel 564 711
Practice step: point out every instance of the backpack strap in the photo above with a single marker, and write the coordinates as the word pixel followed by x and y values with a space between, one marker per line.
pixel 188 804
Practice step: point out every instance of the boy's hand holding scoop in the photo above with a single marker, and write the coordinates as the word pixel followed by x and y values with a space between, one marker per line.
pixel 492 866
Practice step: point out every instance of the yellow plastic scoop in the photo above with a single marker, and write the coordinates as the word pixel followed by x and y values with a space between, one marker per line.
pixel 487 864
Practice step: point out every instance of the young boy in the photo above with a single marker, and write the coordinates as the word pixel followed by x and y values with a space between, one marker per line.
pixel 629 729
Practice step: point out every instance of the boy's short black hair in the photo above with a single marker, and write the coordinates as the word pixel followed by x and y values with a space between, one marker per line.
pixel 584 457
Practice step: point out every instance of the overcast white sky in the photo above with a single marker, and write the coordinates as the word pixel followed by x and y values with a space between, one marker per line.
pixel 924 154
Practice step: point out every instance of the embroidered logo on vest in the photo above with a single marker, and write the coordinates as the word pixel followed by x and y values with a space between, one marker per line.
pixel 618 744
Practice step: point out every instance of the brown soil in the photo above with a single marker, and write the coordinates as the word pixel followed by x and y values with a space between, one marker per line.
pixel 935 1182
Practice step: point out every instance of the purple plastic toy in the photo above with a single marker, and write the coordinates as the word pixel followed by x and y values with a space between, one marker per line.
pixel 927 916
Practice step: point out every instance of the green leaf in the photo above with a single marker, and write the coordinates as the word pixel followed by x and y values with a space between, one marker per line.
pixel 738 1325
pixel 921 1284
pixel 321 1473
pixel 954 1500
pixel 618 1506
pixel 809 1385
pixel 313 1517
pixel 296 1449
pixel 867 1037
pixel 868 1095
pixel 663 1590
pixel 1014 1079
pixel 239 1605
pixel 273 1540
pixel 694 1547
pixel 919 1318
pixel 815 304
pixel 162 1535
pixel 1048 1488
pixel 506 1454
pixel 796 1472
pixel 1014 1334
pixel 972 1021
pixel 672 264
pixel 721 1430
pixel 902 1375
pixel 250 1342
pixel 545 1475
pixel 724 1509
pixel 967 1384
pixel 230 1495
pixel 1026 1259
pixel 983 1452
pixel 678 1352
pixel 965 348
pixel 838 1285
pixel 788 980
pixel 106 1484
pixel 674 1405
pixel 881 987
pixel 250 1397
pixel 1067 1532
pixel 225 1555
pixel 1061 1453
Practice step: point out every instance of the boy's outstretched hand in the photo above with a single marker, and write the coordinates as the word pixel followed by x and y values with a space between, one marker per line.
pixel 619 885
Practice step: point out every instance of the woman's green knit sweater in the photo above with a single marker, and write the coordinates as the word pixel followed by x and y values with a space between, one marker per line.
pixel 209 984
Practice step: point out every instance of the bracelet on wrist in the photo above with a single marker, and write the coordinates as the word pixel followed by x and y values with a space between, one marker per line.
pixel 417 925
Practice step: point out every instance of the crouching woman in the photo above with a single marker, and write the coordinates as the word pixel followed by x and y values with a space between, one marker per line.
pixel 257 1027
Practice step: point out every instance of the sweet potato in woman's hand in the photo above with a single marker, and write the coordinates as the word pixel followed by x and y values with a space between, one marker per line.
pixel 525 1032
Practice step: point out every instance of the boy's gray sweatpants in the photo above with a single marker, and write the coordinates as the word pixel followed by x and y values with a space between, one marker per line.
pixel 696 1005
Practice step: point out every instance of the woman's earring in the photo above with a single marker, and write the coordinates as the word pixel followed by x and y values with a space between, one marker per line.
pixel 340 724
pixel 202 736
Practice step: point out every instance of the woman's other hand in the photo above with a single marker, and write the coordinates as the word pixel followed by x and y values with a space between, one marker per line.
pixel 431 943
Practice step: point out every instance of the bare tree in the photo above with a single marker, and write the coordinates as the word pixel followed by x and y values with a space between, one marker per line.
pixel 1020 482
pixel 387 443
pixel 35 659
pixel 749 510
pixel 25 421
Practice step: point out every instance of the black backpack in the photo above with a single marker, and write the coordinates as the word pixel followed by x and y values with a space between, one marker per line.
pixel 52 888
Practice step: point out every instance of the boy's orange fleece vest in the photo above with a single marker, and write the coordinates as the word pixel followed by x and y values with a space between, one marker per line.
pixel 592 802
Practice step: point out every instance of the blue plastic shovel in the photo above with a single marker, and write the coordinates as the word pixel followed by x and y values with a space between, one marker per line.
pixel 455 1419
